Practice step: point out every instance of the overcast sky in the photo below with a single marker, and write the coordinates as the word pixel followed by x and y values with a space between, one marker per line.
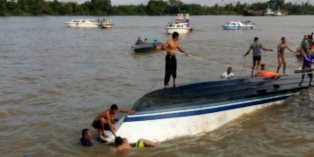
pixel 204 2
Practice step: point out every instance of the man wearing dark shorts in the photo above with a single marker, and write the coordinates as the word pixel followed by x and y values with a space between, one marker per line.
pixel 171 62
pixel 257 54
pixel 106 119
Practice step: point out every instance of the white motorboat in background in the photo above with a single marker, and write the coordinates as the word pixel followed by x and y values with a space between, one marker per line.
pixel 83 23
pixel 236 25
pixel 106 23
pixel 180 25
pixel 269 12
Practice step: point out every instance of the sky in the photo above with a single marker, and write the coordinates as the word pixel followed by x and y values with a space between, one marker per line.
pixel 203 2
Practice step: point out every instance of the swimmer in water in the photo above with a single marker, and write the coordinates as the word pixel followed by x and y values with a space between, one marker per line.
pixel 86 138
pixel 122 144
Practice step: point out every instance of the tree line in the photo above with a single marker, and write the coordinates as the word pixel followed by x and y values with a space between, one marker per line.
pixel 154 7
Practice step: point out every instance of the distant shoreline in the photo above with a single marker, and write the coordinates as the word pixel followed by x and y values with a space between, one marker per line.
pixel 153 8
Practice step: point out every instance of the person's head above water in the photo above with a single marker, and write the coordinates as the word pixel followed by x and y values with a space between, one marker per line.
pixel 118 141
pixel 138 38
pixel 86 138
pixel 114 108
pixel 86 134
pixel 229 70
pixel 255 39
pixel 175 35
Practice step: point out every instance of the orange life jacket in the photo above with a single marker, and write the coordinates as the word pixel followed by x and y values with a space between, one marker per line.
pixel 268 74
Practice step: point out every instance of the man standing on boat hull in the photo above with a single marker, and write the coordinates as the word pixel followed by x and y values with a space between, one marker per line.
pixel 171 62
pixel 257 54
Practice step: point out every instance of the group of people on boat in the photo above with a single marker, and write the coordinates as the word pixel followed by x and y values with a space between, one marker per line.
pixel 307 46
pixel 105 120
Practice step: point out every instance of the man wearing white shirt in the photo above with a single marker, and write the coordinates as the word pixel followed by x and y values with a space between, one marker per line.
pixel 227 74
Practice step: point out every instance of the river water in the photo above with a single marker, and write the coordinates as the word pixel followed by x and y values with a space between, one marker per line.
pixel 54 80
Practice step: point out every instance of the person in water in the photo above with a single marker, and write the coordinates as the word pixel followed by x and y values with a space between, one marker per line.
pixel 227 74
pixel 105 120
pixel 257 55
pixel 307 66
pixel 86 138
pixel 122 144
pixel 280 54
pixel 171 62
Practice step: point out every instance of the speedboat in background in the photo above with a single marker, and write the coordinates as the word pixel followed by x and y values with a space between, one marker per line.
pixel 83 23
pixel 180 25
pixel 106 23
pixel 236 25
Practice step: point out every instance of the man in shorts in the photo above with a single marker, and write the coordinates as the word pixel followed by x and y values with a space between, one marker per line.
pixel 105 120
pixel 257 54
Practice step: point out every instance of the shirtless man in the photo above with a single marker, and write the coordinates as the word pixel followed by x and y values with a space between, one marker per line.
pixel 122 144
pixel 171 62
pixel 280 53
pixel 106 119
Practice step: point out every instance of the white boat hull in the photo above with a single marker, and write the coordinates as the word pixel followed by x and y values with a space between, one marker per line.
pixel 169 128
pixel 107 26
pixel 81 25
pixel 179 30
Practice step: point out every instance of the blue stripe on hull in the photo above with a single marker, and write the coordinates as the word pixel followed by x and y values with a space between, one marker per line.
pixel 204 111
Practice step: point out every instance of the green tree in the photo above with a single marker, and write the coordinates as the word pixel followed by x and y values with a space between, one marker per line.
pixel 3 7
pixel 100 7
pixel 157 7
pixel 175 6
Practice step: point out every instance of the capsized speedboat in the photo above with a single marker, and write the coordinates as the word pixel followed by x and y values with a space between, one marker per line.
pixel 83 23
pixel 198 108
pixel 147 46
pixel 180 25
pixel 236 25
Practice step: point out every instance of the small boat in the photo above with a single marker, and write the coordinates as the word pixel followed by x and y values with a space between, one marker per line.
pixel 253 13
pixel 198 108
pixel 269 12
pixel 83 23
pixel 106 23
pixel 147 46
pixel 180 25
pixel 236 25
pixel 280 12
